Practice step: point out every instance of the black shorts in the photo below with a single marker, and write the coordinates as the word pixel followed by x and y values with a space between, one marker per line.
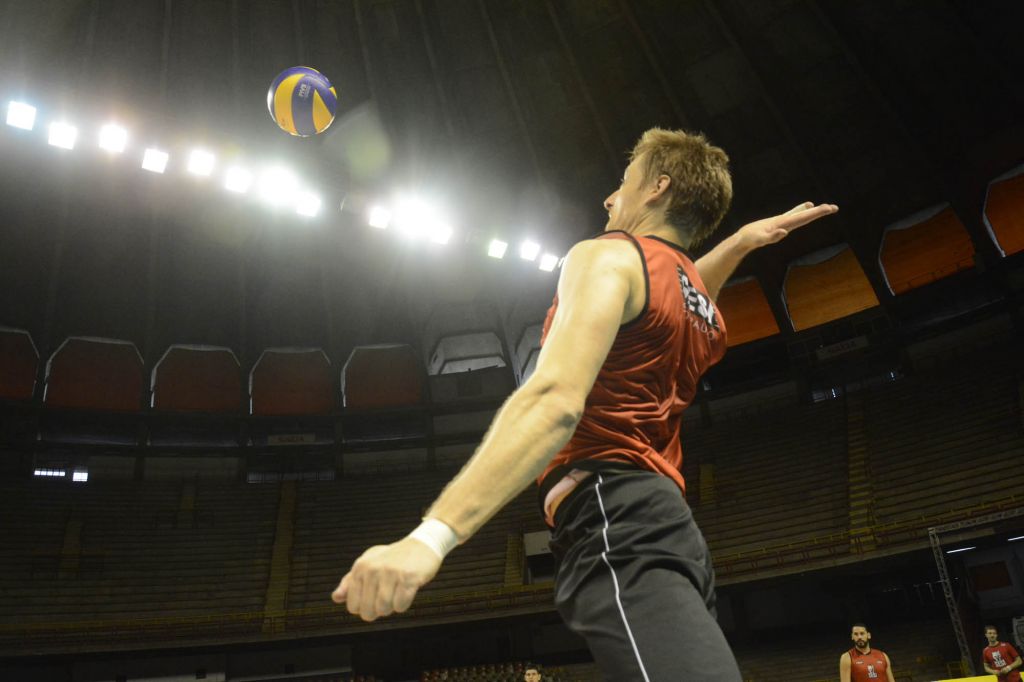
pixel 634 578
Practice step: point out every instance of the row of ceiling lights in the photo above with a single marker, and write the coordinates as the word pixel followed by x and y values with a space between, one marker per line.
pixel 276 185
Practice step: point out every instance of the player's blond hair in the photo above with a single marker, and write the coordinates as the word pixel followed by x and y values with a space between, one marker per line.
pixel 701 187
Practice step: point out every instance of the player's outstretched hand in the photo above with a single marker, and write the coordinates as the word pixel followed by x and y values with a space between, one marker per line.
pixel 386 578
pixel 770 230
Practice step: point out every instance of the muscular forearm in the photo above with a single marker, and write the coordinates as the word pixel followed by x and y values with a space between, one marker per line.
pixel 534 424
pixel 717 266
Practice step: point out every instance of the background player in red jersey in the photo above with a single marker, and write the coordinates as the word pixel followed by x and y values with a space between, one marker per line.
pixel 863 663
pixel 1000 658
pixel 632 329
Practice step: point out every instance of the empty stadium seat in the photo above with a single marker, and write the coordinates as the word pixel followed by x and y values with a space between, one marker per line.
pixel 197 379
pixel 923 248
pixel 291 381
pixel 747 315
pixel 462 336
pixel 1004 211
pixel 382 376
pixel 19 363
pixel 825 286
pixel 93 373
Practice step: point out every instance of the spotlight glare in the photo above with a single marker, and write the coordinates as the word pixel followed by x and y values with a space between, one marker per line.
pixel 1019 537
pixel 278 186
pixel 962 549
pixel 63 135
pixel 415 218
pixel 440 233
pixel 113 138
pixel 200 162
pixel 238 180
pixel 21 115
pixel 497 248
pixel 308 204
pixel 548 262
pixel 80 476
pixel 154 160
pixel 379 217
pixel 529 250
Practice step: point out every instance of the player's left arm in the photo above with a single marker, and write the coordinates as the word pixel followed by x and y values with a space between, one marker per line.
pixel 888 667
pixel 1016 662
pixel 717 266
pixel 600 285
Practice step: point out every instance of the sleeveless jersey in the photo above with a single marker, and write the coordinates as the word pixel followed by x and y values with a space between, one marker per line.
pixel 633 413
pixel 867 667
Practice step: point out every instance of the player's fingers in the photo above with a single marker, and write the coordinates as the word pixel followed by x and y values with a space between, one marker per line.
pixel 799 207
pixel 368 596
pixel 355 591
pixel 793 221
pixel 404 596
pixel 341 591
pixel 385 604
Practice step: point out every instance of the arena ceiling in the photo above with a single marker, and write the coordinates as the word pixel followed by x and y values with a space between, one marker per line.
pixel 517 113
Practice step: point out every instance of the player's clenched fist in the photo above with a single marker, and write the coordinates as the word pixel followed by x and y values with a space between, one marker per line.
pixel 386 578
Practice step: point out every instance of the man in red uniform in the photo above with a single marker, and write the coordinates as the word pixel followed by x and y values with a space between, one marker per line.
pixel 999 658
pixel 632 329
pixel 862 663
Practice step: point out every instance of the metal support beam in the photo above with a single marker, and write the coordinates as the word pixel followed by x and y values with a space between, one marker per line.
pixel 165 49
pixel 236 56
pixel 517 109
pixel 300 43
pixel 652 60
pixel 614 160
pixel 947 585
pixel 364 47
pixel 428 45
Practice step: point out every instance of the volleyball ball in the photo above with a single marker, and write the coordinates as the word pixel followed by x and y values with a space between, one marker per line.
pixel 302 101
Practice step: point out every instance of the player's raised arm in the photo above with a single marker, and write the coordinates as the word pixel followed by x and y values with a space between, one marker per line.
pixel 717 266
pixel 601 287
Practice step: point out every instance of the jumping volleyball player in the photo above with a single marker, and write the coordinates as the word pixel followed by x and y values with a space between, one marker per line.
pixel 630 332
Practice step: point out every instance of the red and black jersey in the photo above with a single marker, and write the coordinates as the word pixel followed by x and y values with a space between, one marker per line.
pixel 633 413
pixel 1000 656
pixel 869 666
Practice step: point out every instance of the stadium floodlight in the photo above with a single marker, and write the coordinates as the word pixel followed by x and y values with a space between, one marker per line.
pixel 54 473
pixel 529 250
pixel 154 160
pixel 308 204
pixel 497 248
pixel 63 135
pixel 200 162
pixel 379 217
pixel 440 232
pixel 278 186
pixel 548 262
pixel 80 476
pixel 962 549
pixel 113 138
pixel 238 180
pixel 21 115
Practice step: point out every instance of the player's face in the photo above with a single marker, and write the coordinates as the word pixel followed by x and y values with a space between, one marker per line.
pixel 532 676
pixel 860 637
pixel 992 636
pixel 625 204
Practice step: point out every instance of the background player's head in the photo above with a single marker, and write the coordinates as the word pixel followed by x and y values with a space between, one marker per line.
pixel 673 177
pixel 531 674
pixel 860 635
pixel 992 635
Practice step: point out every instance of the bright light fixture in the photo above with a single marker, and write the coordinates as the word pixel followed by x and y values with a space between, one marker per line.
pixel 962 549
pixel 113 138
pixel 548 262
pixel 379 217
pixel 308 204
pixel 1019 537
pixel 497 248
pixel 57 473
pixel 154 160
pixel 80 476
pixel 278 186
pixel 63 135
pixel 238 180
pixel 529 250
pixel 21 115
pixel 415 218
pixel 200 162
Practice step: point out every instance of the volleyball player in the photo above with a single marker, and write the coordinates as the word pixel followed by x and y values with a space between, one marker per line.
pixel 632 328
pixel 862 663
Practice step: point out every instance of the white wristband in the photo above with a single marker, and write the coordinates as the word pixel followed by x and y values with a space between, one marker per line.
pixel 436 535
